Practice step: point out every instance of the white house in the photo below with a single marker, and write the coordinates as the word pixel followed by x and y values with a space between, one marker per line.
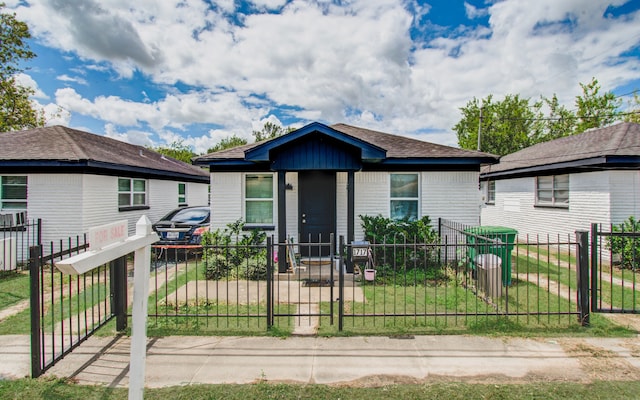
pixel 319 179
pixel 564 185
pixel 75 180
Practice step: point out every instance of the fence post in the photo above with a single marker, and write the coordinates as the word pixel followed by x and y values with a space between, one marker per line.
pixel 594 266
pixel 119 291
pixel 582 237
pixel 270 280
pixel 35 252
pixel 341 286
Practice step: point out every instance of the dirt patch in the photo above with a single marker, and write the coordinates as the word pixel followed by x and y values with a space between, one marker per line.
pixel 599 363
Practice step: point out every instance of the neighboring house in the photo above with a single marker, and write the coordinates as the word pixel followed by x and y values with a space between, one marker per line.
pixel 75 180
pixel 566 184
pixel 319 179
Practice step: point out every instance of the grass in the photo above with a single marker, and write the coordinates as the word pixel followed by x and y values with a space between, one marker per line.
pixel 64 389
pixel 612 294
pixel 14 288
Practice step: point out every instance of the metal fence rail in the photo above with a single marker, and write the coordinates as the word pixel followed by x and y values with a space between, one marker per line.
pixel 15 240
pixel 615 261
pixel 67 309
pixel 394 284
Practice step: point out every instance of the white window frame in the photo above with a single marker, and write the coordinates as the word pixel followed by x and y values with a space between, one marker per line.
pixel 247 199
pixel 491 192
pixel 556 186
pixel 416 199
pixel 131 193
pixel 182 198
pixel 4 201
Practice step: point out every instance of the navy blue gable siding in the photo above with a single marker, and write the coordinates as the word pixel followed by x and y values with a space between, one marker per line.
pixel 316 152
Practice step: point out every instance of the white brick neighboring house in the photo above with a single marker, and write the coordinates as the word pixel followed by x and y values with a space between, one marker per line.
pixel 75 180
pixel 564 185
pixel 319 179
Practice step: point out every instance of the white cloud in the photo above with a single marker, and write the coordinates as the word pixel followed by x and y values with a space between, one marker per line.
pixel 352 61
pixel 67 78
pixel 27 81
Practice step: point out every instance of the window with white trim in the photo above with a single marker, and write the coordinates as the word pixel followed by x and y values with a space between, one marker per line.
pixel 491 192
pixel 182 194
pixel 13 192
pixel 132 192
pixel 258 196
pixel 552 190
pixel 404 197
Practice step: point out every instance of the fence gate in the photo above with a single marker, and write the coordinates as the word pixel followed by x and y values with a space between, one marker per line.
pixel 297 286
pixel 615 257
pixel 67 309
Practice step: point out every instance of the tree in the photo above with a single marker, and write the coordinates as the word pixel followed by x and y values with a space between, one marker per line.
pixel 177 150
pixel 270 131
pixel 633 115
pixel 595 110
pixel 227 143
pixel 513 124
pixel 506 126
pixel 16 109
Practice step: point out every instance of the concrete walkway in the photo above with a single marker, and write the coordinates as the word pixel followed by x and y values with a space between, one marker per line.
pixel 357 361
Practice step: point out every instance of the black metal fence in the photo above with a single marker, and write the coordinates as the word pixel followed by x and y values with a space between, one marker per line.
pixel 462 280
pixel 615 264
pixel 15 239
pixel 67 309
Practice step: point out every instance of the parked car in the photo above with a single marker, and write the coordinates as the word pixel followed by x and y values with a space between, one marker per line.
pixel 183 226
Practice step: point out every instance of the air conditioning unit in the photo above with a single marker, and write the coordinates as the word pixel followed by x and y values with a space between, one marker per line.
pixel 9 220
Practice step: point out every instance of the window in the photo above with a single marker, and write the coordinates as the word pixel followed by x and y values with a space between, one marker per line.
pixel 13 192
pixel 259 199
pixel 132 192
pixel 491 192
pixel 552 191
pixel 182 194
pixel 404 197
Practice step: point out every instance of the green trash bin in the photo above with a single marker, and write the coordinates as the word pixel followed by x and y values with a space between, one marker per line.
pixel 498 240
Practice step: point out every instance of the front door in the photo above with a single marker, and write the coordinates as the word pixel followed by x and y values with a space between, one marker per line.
pixel 317 207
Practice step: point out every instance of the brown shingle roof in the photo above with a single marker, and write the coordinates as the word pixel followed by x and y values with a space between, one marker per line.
pixel 396 146
pixel 62 144
pixel 622 139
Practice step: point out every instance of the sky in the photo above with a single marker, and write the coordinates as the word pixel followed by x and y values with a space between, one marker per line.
pixel 155 72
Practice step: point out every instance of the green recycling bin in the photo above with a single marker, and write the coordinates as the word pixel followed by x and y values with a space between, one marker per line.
pixel 498 240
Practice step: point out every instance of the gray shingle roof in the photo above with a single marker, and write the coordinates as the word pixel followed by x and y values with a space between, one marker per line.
pixel 62 144
pixel 396 146
pixel 621 139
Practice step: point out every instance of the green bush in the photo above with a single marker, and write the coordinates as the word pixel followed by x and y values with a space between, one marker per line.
pixel 627 247
pixel 235 255
pixel 403 251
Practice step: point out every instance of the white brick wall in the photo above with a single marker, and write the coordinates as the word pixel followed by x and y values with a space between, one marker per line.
pixel 595 197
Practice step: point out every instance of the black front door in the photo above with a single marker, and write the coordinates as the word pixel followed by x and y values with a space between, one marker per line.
pixel 317 208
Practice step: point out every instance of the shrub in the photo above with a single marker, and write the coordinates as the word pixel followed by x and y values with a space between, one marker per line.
pixel 403 247
pixel 626 246
pixel 232 254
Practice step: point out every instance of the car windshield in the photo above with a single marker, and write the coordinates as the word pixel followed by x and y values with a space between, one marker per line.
pixel 190 216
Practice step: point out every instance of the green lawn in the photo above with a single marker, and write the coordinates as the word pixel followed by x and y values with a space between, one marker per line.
pixel 14 288
pixel 62 389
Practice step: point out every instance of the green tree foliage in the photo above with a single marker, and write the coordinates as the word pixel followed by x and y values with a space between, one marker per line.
pixel 514 123
pixel 270 131
pixel 595 110
pixel 633 115
pixel 16 110
pixel 227 143
pixel 177 150
pixel 506 125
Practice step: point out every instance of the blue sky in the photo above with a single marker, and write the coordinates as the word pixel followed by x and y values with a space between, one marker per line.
pixel 153 72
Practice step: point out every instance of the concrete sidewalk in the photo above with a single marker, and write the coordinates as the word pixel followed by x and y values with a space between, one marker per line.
pixel 357 361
